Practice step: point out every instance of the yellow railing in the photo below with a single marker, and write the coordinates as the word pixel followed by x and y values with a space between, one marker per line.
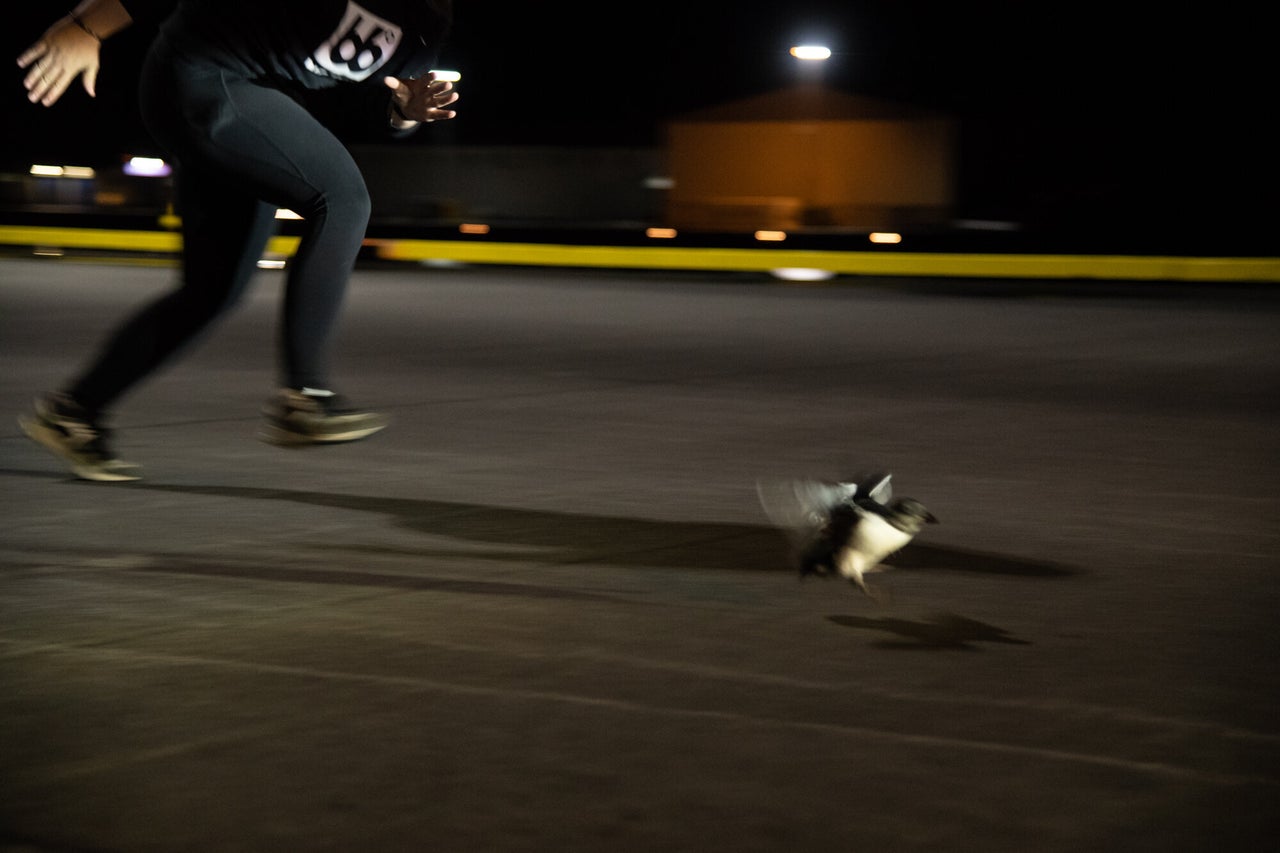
pixel 896 263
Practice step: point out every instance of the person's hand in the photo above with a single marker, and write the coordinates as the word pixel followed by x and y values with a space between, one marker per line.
pixel 63 53
pixel 422 99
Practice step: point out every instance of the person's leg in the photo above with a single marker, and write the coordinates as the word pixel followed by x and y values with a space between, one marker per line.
pixel 334 205
pixel 270 145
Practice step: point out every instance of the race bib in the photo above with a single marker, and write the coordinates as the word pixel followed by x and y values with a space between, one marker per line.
pixel 360 45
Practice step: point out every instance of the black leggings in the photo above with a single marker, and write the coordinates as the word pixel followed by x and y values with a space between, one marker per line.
pixel 241 149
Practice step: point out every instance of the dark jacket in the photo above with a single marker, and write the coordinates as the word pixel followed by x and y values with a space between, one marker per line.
pixel 332 55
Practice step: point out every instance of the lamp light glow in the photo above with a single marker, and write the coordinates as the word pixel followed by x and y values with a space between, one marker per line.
pixel 811 52
pixel 801 274
pixel 884 237
pixel 42 171
pixel 147 167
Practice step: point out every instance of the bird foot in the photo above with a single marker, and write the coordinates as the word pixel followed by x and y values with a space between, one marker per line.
pixel 880 596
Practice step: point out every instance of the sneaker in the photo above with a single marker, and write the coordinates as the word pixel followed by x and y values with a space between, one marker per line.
pixel 297 419
pixel 72 432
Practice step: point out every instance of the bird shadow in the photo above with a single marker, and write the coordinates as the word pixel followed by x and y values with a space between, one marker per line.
pixel 941 631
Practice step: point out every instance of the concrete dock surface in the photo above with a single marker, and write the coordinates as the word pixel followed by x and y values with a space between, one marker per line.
pixel 544 611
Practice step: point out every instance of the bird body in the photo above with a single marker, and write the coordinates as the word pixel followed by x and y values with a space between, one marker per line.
pixel 845 528
pixel 872 539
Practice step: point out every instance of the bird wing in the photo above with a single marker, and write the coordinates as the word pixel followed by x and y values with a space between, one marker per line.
pixel 804 505
pixel 877 487
pixel 801 507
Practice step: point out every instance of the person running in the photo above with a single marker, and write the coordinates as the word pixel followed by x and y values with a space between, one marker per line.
pixel 249 99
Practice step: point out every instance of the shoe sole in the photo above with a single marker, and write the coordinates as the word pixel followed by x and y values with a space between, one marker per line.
pixel 49 440
pixel 282 437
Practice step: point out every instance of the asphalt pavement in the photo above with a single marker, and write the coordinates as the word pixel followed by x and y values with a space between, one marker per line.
pixel 544 611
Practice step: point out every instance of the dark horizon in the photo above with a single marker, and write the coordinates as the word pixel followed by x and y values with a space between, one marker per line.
pixel 1060 109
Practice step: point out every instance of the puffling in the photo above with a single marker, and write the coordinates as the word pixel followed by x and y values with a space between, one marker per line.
pixel 846 528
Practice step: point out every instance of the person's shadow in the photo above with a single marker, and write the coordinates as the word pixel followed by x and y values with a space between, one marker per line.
pixel 485 532
pixel 566 537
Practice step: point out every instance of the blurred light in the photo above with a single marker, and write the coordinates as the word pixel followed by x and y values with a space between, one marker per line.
pixel 169 219
pixel 801 274
pixel 147 167
pixel 473 228
pixel 271 264
pixel 884 237
pixel 811 52
pixel 61 171
pixel 286 213
pixel 445 74
pixel 660 233
pixel 45 252
pixel 771 236
pixel 659 182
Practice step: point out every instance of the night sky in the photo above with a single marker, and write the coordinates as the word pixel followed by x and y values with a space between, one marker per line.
pixel 1161 112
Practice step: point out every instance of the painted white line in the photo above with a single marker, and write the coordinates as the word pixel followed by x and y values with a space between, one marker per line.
pixel 53 774
pixel 418 683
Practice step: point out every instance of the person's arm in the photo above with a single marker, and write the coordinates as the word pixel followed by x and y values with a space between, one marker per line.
pixel 70 49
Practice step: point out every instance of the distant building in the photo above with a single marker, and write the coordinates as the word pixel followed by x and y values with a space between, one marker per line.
pixel 810 157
